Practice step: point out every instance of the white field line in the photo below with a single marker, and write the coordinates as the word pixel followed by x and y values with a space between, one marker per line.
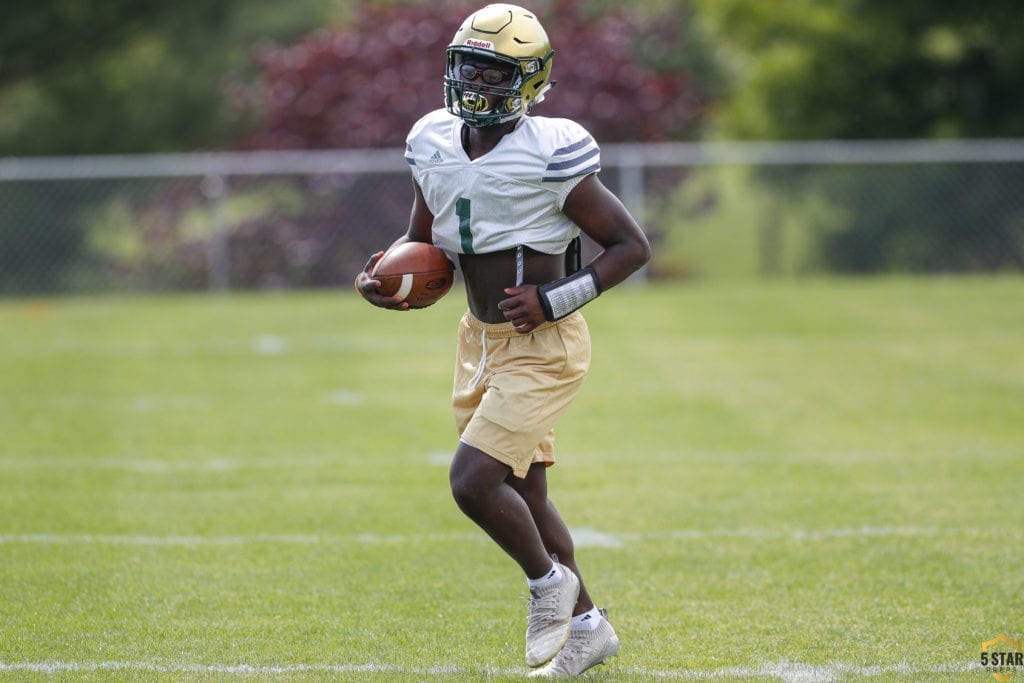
pixel 283 539
pixel 583 537
pixel 590 537
pixel 154 466
pixel 789 672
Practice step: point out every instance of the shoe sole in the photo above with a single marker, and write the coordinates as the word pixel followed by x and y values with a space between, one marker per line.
pixel 539 664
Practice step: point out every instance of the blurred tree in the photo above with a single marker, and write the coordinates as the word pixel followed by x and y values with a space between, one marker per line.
pixel 860 69
pixel 130 76
pixel 870 69
pixel 626 75
pixel 117 76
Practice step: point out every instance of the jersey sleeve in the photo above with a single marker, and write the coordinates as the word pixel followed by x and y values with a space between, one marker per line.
pixel 575 156
pixel 411 146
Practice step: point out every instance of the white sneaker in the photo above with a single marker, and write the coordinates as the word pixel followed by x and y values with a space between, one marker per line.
pixel 583 650
pixel 550 618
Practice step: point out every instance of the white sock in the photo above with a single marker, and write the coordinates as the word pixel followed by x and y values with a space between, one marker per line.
pixel 553 576
pixel 587 621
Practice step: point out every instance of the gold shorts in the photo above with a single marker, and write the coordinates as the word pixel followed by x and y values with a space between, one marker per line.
pixel 511 388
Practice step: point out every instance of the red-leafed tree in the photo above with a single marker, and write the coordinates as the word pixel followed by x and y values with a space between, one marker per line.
pixel 621 74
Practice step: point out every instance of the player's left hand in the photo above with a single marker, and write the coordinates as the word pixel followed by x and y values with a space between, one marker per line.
pixel 522 308
pixel 369 288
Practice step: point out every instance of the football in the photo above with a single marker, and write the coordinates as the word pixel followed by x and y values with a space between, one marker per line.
pixel 418 272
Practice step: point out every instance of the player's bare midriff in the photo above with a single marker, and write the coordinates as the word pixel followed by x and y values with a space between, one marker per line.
pixel 487 275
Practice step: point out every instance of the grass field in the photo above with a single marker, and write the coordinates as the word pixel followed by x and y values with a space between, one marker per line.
pixel 798 481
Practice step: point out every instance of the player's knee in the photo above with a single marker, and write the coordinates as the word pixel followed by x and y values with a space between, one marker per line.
pixel 465 490
pixel 473 476
pixel 469 496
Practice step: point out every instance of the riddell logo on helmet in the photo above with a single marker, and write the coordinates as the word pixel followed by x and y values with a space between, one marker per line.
pixel 485 44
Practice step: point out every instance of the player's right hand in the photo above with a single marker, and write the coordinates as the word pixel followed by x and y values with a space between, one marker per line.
pixel 369 288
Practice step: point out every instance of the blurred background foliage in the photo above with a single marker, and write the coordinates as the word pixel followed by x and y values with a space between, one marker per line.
pixel 626 74
pixel 145 76
pixel 127 76
pixel 130 76
pixel 869 69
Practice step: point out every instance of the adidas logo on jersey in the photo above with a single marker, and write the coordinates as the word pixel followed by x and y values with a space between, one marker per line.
pixel 436 157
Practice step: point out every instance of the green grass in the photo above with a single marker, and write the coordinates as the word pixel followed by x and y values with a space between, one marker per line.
pixel 784 480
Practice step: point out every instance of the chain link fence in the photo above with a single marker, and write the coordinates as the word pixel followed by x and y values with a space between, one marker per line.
pixel 310 219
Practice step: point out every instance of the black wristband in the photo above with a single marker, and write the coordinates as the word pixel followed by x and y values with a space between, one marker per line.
pixel 568 294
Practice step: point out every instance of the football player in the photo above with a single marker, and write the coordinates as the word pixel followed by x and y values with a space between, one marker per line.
pixel 506 194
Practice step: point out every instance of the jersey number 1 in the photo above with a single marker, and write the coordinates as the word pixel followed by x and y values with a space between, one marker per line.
pixel 462 206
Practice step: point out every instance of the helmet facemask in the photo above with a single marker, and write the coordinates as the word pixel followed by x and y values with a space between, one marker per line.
pixel 477 100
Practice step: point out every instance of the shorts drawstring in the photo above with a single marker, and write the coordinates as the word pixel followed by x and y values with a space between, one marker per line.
pixel 481 366
pixel 494 331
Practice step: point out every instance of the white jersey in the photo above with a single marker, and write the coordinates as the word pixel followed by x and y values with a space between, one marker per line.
pixel 510 196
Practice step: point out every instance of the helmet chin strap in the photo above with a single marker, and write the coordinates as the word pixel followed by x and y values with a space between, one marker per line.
pixel 543 91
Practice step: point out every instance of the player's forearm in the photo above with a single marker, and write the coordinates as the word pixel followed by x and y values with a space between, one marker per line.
pixel 620 260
